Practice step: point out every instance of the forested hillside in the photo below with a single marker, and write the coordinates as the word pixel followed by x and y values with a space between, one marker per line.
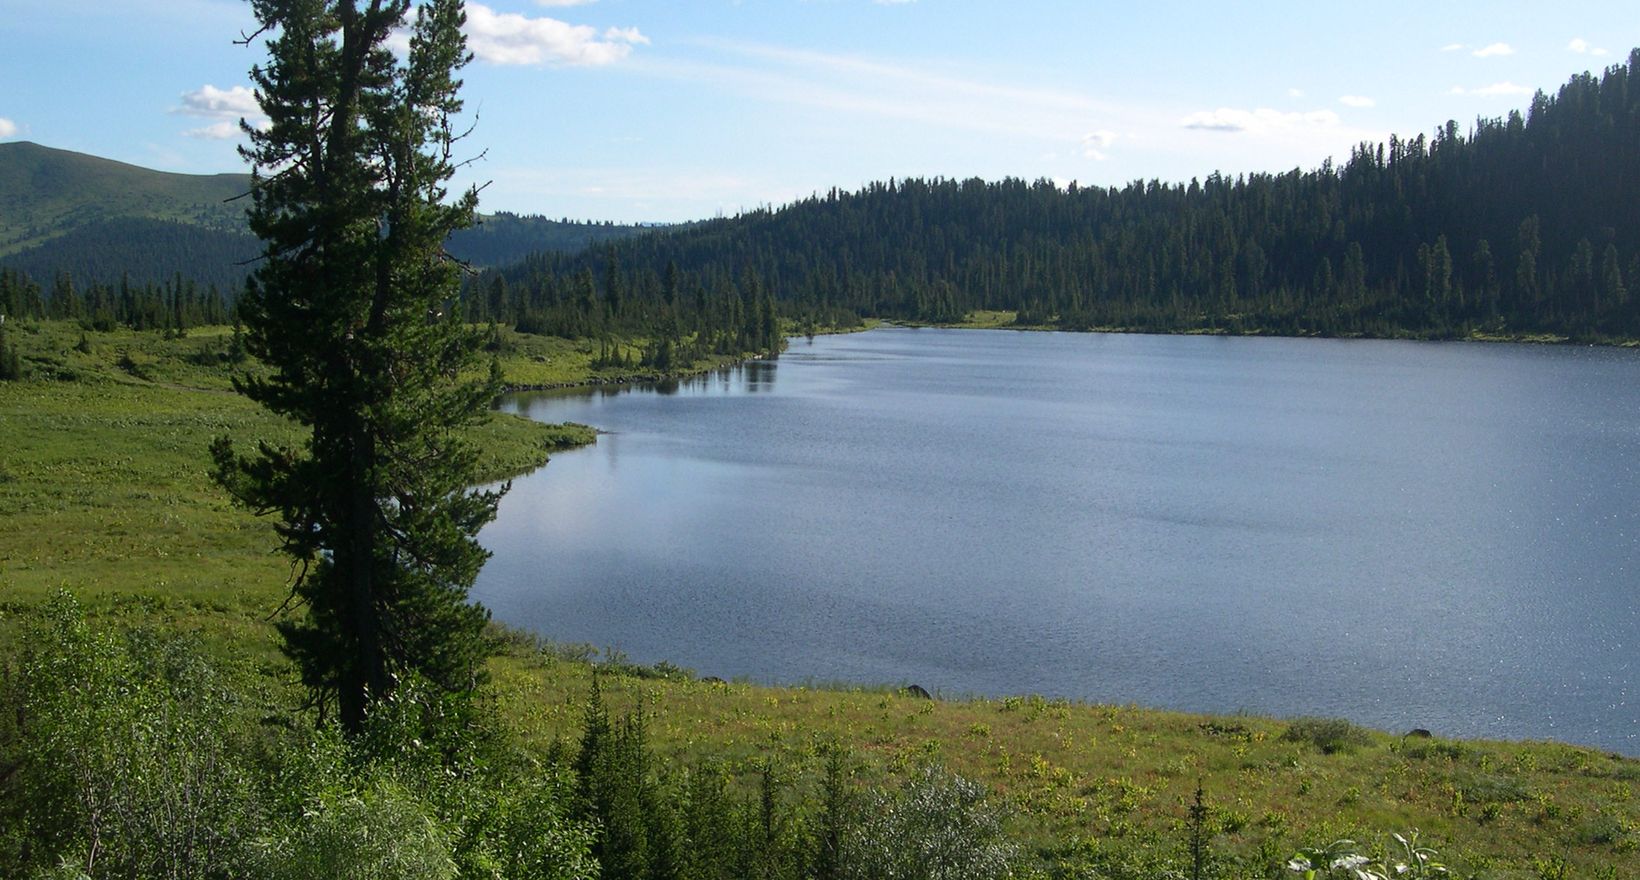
pixel 103 222
pixel 143 251
pixel 46 193
pixel 503 238
pixel 1528 224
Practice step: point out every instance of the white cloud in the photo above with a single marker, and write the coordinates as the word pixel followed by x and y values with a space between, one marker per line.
pixel 626 35
pixel 1582 47
pixel 1494 50
pixel 7 128
pixel 214 103
pixel 1453 47
pixel 1493 90
pixel 226 106
pixel 1295 93
pixel 651 189
pixel 922 94
pixel 1095 143
pixel 510 38
pixel 1260 121
pixel 218 131
pixel 1357 101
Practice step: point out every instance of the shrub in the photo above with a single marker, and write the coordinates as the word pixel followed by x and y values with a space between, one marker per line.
pixel 938 826
pixel 124 760
pixel 379 831
pixel 1330 735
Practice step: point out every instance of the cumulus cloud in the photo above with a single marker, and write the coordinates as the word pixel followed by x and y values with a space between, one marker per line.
pixel 214 103
pixel 1357 101
pixel 1094 144
pixel 1582 47
pixel 1260 121
pixel 1495 89
pixel 1495 49
pixel 1453 47
pixel 510 38
pixel 225 106
pixel 7 128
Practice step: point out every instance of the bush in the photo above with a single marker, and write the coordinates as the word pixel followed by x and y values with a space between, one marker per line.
pixel 124 760
pixel 379 831
pixel 1330 735
pixel 938 826
pixel 132 756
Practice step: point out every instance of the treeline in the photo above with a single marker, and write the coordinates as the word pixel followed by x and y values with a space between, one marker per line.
pixel 503 238
pixel 174 305
pixel 1525 224
pixel 685 316
pixel 143 251
pixel 147 251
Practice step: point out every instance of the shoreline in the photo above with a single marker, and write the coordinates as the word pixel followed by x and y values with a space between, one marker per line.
pixel 633 379
pixel 1518 338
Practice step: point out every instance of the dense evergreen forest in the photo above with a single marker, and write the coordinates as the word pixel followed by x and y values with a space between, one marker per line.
pixel 1523 225
pixel 142 251
pixel 502 238
pixel 174 305
pixel 1528 224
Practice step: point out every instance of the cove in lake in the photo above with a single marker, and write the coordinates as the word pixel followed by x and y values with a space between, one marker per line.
pixel 1438 535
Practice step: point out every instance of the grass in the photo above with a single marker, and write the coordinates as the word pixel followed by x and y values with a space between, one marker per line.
pixel 1123 776
pixel 530 361
pixel 104 491
pixel 983 319
pixel 104 482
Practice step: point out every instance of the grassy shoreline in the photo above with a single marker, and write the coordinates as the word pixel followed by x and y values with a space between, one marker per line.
pixel 1006 320
pixel 104 492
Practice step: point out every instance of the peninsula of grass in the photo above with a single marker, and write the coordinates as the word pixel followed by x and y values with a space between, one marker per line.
pixel 104 492
pixel 986 319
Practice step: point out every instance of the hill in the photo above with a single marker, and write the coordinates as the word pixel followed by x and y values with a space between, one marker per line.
pixel 46 193
pixel 1524 225
pixel 503 238
pixel 102 220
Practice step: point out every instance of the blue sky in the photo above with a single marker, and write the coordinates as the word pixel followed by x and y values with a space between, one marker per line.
pixel 663 110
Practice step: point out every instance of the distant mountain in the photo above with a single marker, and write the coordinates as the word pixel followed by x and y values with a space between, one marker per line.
pixel 102 220
pixel 502 238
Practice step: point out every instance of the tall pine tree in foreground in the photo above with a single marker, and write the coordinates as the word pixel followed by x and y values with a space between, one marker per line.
pixel 352 309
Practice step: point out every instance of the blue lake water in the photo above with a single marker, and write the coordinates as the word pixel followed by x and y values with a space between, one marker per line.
pixel 1438 535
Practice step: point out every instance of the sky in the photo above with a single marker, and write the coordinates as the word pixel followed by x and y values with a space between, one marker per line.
pixel 672 110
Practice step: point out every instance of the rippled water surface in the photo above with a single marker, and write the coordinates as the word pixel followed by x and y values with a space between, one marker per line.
pixel 1404 534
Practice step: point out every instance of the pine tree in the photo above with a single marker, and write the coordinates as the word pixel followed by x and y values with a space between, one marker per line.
pixel 11 364
pixel 348 309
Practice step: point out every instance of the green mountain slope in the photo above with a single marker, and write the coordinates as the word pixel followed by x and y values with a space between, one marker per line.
pixel 46 193
pixel 100 220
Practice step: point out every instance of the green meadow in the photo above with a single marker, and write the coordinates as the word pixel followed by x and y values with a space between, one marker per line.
pixel 105 493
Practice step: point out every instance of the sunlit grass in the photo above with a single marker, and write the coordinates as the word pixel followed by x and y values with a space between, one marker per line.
pixel 1124 776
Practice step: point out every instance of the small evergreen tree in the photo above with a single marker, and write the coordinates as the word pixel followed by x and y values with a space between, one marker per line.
pixel 11 364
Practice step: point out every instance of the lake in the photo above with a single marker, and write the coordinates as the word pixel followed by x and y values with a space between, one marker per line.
pixel 1405 534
